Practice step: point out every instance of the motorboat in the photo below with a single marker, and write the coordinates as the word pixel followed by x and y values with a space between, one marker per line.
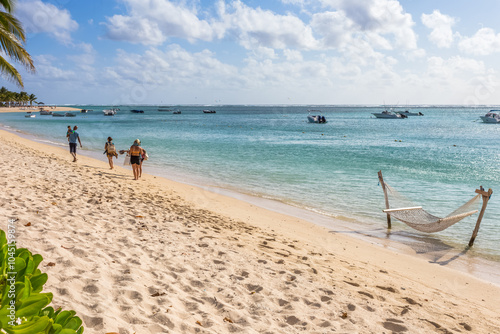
pixel 389 114
pixel 165 109
pixel 206 111
pixel 45 112
pixel 57 115
pixel 69 114
pixel 109 112
pixel 136 111
pixel 29 115
pixel 408 113
pixel 84 111
pixel 176 112
pixel 316 118
pixel 492 116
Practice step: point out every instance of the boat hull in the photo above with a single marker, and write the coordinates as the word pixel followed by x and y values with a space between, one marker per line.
pixel 380 115
pixel 490 119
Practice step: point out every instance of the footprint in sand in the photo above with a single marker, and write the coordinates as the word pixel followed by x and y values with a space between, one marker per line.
pixel 394 325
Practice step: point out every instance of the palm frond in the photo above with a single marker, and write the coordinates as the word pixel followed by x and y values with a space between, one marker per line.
pixel 10 72
pixel 13 25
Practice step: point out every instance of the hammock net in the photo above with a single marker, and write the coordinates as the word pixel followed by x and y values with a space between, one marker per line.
pixel 421 220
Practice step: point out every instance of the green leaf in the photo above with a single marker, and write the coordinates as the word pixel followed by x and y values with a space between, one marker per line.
pixel 38 281
pixel 67 331
pixel 3 238
pixel 37 259
pixel 63 317
pixel 48 311
pixel 31 327
pixel 74 323
pixel 32 305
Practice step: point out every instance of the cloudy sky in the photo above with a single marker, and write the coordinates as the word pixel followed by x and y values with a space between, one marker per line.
pixel 263 51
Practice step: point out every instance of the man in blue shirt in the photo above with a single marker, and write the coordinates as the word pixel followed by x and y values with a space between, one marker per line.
pixel 72 138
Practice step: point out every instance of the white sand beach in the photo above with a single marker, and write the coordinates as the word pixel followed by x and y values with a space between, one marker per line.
pixel 157 256
pixel 36 108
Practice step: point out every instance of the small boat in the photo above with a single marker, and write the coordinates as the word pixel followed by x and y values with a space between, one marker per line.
pixel 176 112
pixel 492 116
pixel 69 114
pixel 165 109
pixel 29 115
pixel 45 112
pixel 408 113
pixel 84 111
pixel 136 111
pixel 109 112
pixel 389 114
pixel 316 118
pixel 57 115
pixel 209 111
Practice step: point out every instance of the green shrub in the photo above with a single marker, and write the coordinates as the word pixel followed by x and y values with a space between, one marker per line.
pixel 24 308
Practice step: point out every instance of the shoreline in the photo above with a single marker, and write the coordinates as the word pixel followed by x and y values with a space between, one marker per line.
pixel 36 109
pixel 401 241
pixel 268 270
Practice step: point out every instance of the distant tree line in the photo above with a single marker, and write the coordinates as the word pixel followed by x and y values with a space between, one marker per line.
pixel 15 99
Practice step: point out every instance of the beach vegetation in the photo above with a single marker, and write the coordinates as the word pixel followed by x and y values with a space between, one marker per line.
pixel 24 308
pixel 16 99
pixel 12 39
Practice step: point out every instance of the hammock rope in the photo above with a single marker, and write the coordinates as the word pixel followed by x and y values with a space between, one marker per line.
pixel 421 220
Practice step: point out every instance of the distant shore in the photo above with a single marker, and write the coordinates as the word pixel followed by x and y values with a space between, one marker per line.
pixel 34 108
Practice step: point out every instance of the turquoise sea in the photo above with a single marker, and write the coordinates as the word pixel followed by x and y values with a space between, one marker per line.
pixel 437 160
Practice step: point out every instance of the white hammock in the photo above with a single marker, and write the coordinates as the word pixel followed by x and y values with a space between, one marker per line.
pixel 421 220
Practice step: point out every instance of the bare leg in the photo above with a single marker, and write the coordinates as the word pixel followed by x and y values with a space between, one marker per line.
pixel 110 159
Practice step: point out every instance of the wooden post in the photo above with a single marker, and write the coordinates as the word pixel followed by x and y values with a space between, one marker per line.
pixel 486 197
pixel 381 179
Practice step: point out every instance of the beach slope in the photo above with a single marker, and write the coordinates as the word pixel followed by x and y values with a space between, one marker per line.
pixel 156 256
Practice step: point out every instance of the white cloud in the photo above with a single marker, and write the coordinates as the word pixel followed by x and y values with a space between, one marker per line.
pixel 151 22
pixel 46 70
pixel 40 17
pixel 383 23
pixel 484 42
pixel 441 34
pixel 258 27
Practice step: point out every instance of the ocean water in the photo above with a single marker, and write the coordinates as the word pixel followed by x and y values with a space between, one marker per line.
pixel 437 160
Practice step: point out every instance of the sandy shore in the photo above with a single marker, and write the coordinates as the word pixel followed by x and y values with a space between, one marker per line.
pixel 35 109
pixel 156 256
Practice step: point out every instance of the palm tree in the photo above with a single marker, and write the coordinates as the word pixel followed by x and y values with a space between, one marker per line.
pixel 32 98
pixel 12 38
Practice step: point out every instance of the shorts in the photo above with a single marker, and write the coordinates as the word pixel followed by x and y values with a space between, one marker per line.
pixel 135 160
pixel 72 147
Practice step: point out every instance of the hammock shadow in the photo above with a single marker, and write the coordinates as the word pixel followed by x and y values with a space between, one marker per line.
pixel 432 248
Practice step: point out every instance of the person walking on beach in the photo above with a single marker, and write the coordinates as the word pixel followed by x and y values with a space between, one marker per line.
pixel 72 138
pixel 144 156
pixel 135 157
pixel 110 150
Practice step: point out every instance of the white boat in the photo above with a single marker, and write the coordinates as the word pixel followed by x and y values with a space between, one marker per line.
pixel 29 114
pixel 408 113
pixel 492 116
pixel 389 114
pixel 109 112
pixel 316 118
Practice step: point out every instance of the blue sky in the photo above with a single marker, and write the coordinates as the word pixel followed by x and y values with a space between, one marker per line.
pixel 262 52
